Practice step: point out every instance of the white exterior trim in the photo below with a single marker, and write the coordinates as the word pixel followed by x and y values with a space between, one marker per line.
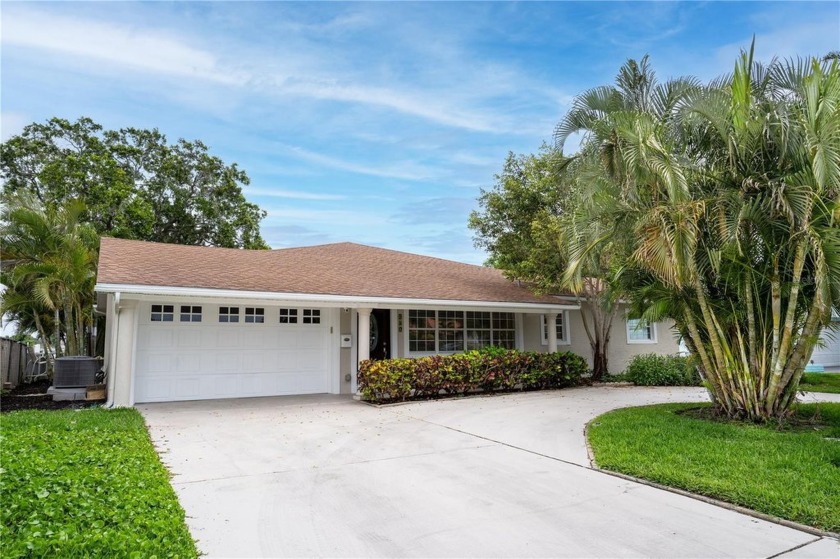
pixel 394 342
pixel 335 351
pixel 653 339
pixel 566 329
pixel 134 356
pixel 520 332
pixel 354 352
pixel 157 291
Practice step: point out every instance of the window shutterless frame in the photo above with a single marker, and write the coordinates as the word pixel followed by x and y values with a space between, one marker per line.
pixel 254 315
pixel 228 314
pixel 162 313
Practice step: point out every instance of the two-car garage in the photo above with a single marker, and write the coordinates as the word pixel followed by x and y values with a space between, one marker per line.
pixel 201 351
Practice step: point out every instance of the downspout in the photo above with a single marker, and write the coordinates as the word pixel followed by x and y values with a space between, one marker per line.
pixel 109 378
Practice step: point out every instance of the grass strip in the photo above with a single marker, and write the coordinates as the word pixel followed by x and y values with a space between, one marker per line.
pixel 820 382
pixel 790 471
pixel 86 483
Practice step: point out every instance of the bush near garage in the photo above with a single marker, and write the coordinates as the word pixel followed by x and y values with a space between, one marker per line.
pixel 652 369
pixel 487 370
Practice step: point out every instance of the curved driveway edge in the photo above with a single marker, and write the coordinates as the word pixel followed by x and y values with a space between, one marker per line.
pixel 499 476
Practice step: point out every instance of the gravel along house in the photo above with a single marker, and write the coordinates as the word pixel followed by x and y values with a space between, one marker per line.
pixel 196 323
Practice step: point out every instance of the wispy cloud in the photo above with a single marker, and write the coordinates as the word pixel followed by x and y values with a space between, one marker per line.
pixel 446 210
pixel 371 122
pixel 293 194
pixel 304 72
pixel 337 219
pixel 426 106
pixel 405 170
pixel 143 49
pixel 815 38
pixel 453 244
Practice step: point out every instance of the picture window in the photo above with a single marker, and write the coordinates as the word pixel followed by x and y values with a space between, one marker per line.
pixel 452 331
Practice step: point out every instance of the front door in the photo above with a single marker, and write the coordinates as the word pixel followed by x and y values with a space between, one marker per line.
pixel 380 334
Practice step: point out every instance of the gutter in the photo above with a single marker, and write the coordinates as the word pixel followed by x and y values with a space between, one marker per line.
pixel 327 299
pixel 109 378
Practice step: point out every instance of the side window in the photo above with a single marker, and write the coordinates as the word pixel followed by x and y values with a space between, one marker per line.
pixel 560 327
pixel 561 330
pixel 255 315
pixel 311 316
pixel 163 313
pixel 190 313
pixel 228 314
pixel 640 331
pixel 288 316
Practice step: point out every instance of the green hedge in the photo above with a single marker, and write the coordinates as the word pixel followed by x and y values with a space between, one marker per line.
pixel 490 370
pixel 662 370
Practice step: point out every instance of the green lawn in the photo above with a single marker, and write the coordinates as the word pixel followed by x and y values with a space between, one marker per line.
pixel 86 484
pixel 820 382
pixel 792 473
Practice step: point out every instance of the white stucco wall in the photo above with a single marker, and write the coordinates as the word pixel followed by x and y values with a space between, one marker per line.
pixel 620 350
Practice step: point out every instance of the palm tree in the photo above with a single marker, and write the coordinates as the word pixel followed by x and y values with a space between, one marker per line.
pixel 49 260
pixel 594 243
pixel 733 201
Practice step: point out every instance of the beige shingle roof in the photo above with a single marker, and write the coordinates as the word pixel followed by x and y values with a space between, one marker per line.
pixel 345 269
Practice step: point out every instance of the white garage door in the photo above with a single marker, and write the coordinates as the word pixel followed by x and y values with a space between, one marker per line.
pixel 201 352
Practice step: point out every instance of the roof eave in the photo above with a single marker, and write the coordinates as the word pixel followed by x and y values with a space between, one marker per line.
pixel 324 300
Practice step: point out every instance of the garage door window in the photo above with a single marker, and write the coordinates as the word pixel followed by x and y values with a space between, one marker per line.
pixel 288 316
pixel 254 315
pixel 190 313
pixel 163 313
pixel 228 314
pixel 311 316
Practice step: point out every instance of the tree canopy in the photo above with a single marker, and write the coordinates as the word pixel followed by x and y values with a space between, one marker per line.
pixel 66 183
pixel 730 197
pixel 521 224
pixel 712 205
pixel 133 183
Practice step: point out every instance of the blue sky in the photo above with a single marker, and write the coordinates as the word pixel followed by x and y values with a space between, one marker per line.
pixel 376 123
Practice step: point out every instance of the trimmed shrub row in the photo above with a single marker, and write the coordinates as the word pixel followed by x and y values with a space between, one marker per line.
pixel 488 370
pixel 662 370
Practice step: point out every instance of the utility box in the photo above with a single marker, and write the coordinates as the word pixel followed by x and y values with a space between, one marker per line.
pixel 75 372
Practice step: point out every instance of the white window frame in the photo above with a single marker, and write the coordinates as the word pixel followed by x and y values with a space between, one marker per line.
pixel 289 314
pixel 257 315
pixel 162 314
pixel 228 315
pixel 192 314
pixel 652 325
pixel 567 339
pixel 462 316
pixel 311 317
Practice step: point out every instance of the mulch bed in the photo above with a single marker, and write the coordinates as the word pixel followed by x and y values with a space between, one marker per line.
pixel 34 397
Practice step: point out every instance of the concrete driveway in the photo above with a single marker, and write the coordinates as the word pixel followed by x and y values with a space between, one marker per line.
pixel 501 476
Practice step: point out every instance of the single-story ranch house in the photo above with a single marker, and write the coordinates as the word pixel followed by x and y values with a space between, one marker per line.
pixel 190 323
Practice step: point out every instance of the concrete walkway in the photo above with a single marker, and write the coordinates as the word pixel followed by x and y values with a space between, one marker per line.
pixel 501 476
